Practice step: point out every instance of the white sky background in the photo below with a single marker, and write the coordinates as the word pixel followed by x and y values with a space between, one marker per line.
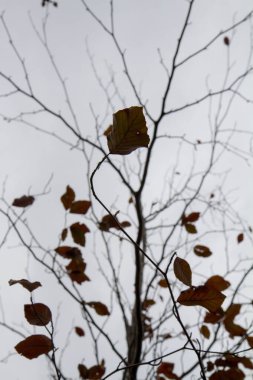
pixel 29 157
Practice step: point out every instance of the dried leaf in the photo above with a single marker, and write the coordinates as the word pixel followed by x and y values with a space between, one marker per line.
pixel 166 369
pixel 68 197
pixel 204 330
pixel 128 131
pixel 217 282
pixel 250 341
pixel 202 250
pixel 147 303
pixel 68 252
pixel 99 307
pixel 231 374
pixel 190 228
pixel 96 372
pixel 209 298
pixel 163 283
pixel 230 326
pixel 64 234
pixel 83 371
pixel 24 201
pixel 191 218
pixel 80 207
pixel 109 221
pixel 37 314
pixel 26 284
pixel 34 346
pixel 78 232
pixel 183 271
pixel 240 238
pixel 75 270
pixel 226 41
pixel 79 331
pixel 214 317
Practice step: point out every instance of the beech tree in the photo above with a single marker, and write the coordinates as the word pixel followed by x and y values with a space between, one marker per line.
pixel 138 266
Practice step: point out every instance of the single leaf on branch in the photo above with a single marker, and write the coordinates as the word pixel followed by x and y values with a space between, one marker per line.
pixel 34 346
pixel 191 218
pixel 204 330
pixel 38 314
pixel 233 328
pixel 128 131
pixel 99 307
pixel 79 331
pixel 109 221
pixel 24 201
pixel 75 270
pixel 26 284
pixel 240 238
pixel 68 197
pixel 166 369
pixel 183 271
pixel 202 250
pixel 203 296
pixel 64 234
pixel 147 303
pixel 190 228
pixel 68 252
pixel 163 283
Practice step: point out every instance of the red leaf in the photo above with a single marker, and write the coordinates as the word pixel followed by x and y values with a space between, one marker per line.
pixel 24 201
pixel 209 298
pixel 166 369
pixel 80 207
pixel 99 307
pixel 26 284
pixel 38 314
pixel 183 271
pixel 34 346
pixel 191 218
pixel 68 197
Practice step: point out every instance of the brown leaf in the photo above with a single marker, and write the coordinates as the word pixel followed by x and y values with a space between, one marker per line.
pixel 64 234
pixel 38 314
pixel 240 238
pixel 209 298
pixel 202 250
pixel 80 207
pixel 226 41
pixel 128 131
pixel 217 282
pixel 78 232
pixel 204 330
pixel 191 218
pixel 26 284
pixel 231 374
pixel 166 369
pixel 83 371
pixel 24 201
pixel 34 346
pixel 75 270
pixel 68 197
pixel 96 372
pixel 109 221
pixel 230 326
pixel 163 283
pixel 214 317
pixel 147 303
pixel 250 341
pixel 183 271
pixel 68 252
pixel 79 331
pixel 190 228
pixel 99 307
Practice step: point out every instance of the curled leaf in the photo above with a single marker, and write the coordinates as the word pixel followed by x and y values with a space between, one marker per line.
pixel 24 201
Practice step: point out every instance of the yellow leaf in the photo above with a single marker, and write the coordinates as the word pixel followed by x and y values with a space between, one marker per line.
pixel 128 131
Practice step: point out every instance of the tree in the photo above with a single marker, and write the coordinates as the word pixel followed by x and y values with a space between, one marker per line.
pixel 147 256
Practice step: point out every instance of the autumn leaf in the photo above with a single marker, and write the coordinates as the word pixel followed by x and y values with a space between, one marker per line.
pixel 26 284
pixel 96 372
pixel 83 371
pixel 147 303
pixel 226 41
pixel 214 317
pixel 79 331
pixel 68 252
pixel 204 330
pixel 166 369
pixel 250 341
pixel 230 374
pixel 191 218
pixel 75 270
pixel 109 221
pixel 68 197
pixel 240 238
pixel 202 250
pixel 182 271
pixel 217 282
pixel 64 234
pixel 37 314
pixel 190 228
pixel 34 346
pixel 80 207
pixel 78 232
pixel 163 283
pixel 204 296
pixel 230 326
pixel 99 307
pixel 128 131
pixel 24 201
